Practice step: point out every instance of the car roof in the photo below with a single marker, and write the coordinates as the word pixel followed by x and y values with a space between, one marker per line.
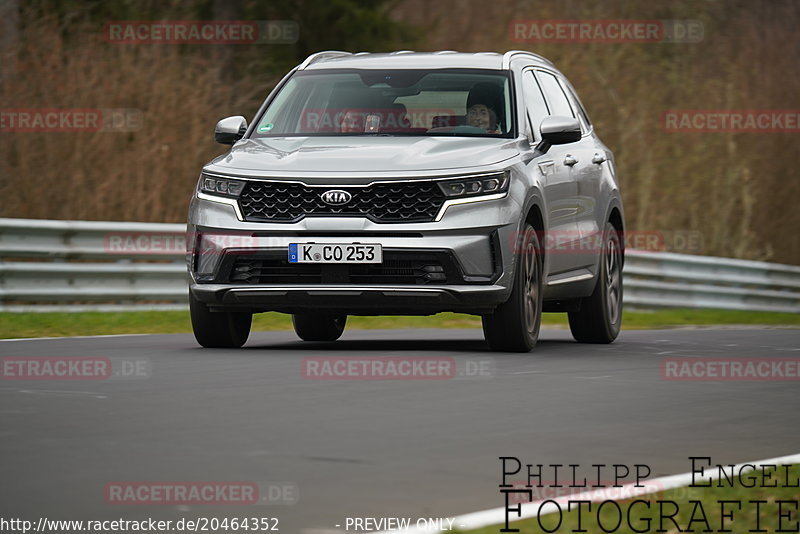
pixel 407 59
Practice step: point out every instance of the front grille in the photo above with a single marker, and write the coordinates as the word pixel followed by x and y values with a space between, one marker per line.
pixel 391 272
pixel 406 267
pixel 247 270
pixel 399 272
pixel 414 201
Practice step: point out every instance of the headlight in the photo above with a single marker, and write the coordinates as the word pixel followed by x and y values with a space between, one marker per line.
pixel 224 187
pixel 485 184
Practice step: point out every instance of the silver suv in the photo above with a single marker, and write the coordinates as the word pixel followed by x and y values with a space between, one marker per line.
pixel 411 184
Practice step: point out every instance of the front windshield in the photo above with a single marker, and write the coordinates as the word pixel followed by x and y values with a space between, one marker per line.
pixel 441 102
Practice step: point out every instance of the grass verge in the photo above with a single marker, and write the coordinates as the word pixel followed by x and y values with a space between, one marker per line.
pixel 17 325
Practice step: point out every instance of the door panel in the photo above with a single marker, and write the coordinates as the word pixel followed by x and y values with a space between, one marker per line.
pixel 562 188
pixel 589 216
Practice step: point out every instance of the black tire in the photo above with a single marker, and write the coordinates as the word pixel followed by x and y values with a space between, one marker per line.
pixel 514 325
pixel 600 316
pixel 219 330
pixel 318 327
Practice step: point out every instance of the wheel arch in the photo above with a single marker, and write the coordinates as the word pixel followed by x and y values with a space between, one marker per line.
pixel 617 220
pixel 535 218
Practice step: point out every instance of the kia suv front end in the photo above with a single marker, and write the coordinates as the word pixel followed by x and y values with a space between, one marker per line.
pixel 407 183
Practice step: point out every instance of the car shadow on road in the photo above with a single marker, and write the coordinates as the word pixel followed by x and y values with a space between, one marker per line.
pixel 418 346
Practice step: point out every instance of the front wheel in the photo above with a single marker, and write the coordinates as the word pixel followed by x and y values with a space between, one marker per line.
pixel 514 325
pixel 218 329
pixel 318 327
pixel 600 316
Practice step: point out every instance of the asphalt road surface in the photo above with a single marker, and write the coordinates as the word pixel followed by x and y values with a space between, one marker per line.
pixel 329 449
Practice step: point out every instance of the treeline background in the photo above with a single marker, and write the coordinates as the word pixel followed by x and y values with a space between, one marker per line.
pixel 740 191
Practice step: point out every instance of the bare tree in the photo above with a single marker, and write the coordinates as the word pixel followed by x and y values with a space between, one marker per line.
pixel 9 35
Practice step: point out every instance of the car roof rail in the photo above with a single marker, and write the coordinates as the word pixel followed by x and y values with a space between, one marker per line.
pixel 327 54
pixel 508 56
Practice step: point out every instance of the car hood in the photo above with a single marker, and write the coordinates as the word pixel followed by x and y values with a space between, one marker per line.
pixel 362 154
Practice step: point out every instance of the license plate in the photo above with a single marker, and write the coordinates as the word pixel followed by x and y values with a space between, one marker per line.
pixel 334 253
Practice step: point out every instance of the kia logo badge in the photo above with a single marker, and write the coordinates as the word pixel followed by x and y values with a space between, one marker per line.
pixel 336 197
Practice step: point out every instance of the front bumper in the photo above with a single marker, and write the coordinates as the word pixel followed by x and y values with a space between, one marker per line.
pixel 478 237
pixel 351 300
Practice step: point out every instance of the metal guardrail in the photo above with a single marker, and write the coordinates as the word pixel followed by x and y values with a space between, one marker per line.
pixel 667 280
pixel 70 265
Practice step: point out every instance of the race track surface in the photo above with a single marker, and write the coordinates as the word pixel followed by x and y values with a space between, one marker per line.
pixel 405 447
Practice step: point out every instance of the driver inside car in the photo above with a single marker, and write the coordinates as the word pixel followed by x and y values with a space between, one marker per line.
pixel 482 116
pixel 352 122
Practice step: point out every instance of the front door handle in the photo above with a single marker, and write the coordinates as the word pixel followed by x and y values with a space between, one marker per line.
pixel 599 158
pixel 569 160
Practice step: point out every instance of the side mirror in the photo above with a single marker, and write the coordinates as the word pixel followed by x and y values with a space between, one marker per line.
pixel 230 129
pixel 557 130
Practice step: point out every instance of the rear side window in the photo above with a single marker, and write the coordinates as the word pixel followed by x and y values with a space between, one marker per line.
pixel 556 99
pixel 534 102
pixel 577 106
